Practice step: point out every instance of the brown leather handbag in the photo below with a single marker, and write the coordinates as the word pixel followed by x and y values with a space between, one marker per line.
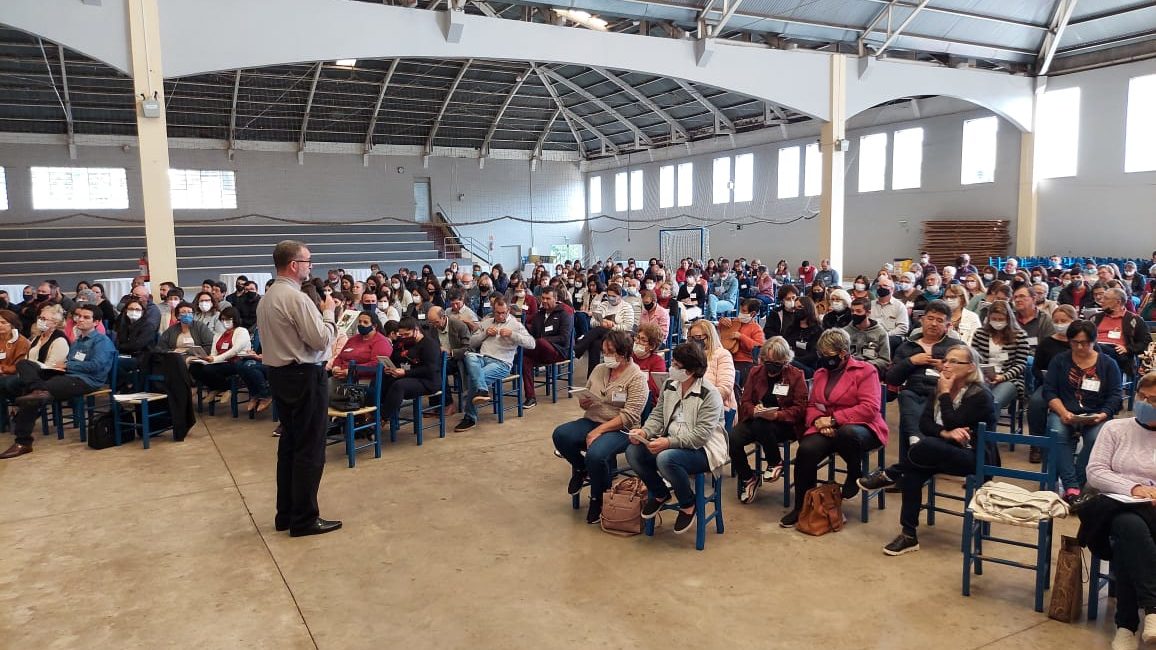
pixel 622 507
pixel 1068 583
pixel 822 511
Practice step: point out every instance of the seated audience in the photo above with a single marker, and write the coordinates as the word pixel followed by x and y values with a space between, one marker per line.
pixel 496 342
pixel 724 295
pixel 1035 322
pixel 230 347
pixel 890 313
pixel 362 347
pixel 949 425
pixel 838 309
pixel 869 341
pixel 613 402
pixel 740 336
pixel 915 367
pixel 1124 462
pixel 771 413
pixel 417 370
pixel 1048 349
pixel 645 354
pixel 654 314
pixel 685 436
pixel 460 311
pixel 720 371
pixel 552 327
pixel 1003 353
pixel 963 321
pixel 13 348
pixel 1083 390
pixel 692 296
pixel 842 417
pixel 186 333
pixel 206 312
pixel 613 313
pixel 86 368
pixel 1121 334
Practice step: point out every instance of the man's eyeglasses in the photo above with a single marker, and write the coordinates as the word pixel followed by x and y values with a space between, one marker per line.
pixel 1082 343
pixel 309 262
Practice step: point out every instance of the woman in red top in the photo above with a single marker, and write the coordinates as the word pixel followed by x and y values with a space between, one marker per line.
pixel 364 348
pixel 646 344
pixel 842 417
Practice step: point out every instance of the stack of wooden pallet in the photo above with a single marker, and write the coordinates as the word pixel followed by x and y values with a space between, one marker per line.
pixel 945 240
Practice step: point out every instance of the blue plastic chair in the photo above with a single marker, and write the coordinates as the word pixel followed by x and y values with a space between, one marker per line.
pixel 1096 582
pixel 419 407
pixel 977 531
pixel 349 418
pixel 560 370
pixel 82 409
pixel 499 391
pixel 234 398
pixel 701 499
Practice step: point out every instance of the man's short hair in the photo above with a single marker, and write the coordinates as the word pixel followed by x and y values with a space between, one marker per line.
pixel 88 307
pixel 938 307
pixel 285 252
pixel 407 323
pixel 863 302
pixel 498 301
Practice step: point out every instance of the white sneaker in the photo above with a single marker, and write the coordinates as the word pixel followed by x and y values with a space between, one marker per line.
pixel 1125 639
pixel 1149 634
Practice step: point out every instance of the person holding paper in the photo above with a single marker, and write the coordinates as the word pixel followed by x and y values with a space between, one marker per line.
pixel 1003 353
pixel 771 412
pixel 417 368
pixel 1083 390
pixel 1123 462
pixel 613 401
pixel 223 362
pixel 186 333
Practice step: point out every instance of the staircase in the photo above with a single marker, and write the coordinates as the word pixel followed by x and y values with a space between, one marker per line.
pixel 69 254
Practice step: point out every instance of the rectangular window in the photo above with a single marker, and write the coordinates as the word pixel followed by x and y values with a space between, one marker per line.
pixel 621 192
pixel 79 188
pixel 636 189
pixel 744 177
pixel 722 180
pixel 1140 147
pixel 979 149
pixel 3 190
pixel 595 195
pixel 202 189
pixel 666 186
pixel 788 173
pixel 813 171
pixel 907 159
pixel 685 185
pixel 1058 133
pixel 872 162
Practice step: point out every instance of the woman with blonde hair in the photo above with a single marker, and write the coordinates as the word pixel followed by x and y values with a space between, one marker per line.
pixel 720 365
pixel 976 288
pixel 964 321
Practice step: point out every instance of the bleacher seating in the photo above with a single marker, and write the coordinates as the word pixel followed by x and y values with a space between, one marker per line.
pixel 91 252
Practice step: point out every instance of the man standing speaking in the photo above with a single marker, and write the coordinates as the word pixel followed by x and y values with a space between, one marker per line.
pixel 295 340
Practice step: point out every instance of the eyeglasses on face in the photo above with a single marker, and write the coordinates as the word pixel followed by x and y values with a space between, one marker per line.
pixel 309 262
pixel 957 362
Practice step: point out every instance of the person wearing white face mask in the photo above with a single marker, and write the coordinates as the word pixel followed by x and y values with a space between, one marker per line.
pixel 206 312
pixel 932 290
pixel 214 370
pixel 838 309
pixel 963 321
pixel 613 401
pixel 613 313
pixel 1048 349
pixel 740 336
pixel 1123 462
pixel 1003 351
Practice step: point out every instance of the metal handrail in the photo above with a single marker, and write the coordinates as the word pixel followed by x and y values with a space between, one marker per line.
pixel 463 247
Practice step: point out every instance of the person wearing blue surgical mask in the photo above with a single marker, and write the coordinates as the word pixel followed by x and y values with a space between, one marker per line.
pixel 186 333
pixel 1123 462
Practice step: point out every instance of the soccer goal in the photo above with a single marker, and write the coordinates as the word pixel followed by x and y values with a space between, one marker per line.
pixel 677 244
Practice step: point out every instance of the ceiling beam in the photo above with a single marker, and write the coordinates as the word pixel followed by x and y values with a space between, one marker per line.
pixel 644 100
pixel 1111 13
pixel 485 8
pixel 433 132
pixel 572 118
pixel 308 110
pixel 521 79
pixel 546 133
pixel 233 113
pixel 639 137
pixel 67 100
pixel 964 14
pixel 885 11
pixel 902 26
pixel 377 105
pixel 1060 19
pixel 719 116
pixel 726 17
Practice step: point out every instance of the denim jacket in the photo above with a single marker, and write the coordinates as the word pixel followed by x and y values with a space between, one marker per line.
pixel 90 358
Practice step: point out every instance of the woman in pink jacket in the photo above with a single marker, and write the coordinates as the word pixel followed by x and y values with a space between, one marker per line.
pixel 842 417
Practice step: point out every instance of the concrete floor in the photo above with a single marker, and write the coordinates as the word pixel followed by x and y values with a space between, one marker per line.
pixel 466 542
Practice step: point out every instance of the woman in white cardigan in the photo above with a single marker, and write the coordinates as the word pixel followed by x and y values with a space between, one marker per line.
pixel 720 370
pixel 684 436
pixel 963 320
pixel 229 350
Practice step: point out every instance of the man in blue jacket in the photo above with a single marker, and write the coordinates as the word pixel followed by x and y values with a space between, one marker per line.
pixel 89 362
pixel 724 295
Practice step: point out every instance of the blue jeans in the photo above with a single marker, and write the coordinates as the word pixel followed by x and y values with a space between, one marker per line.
pixel 1003 394
pixel 1038 413
pixel 599 461
pixel 675 465
pixel 1072 467
pixel 714 305
pixel 481 371
pixel 911 405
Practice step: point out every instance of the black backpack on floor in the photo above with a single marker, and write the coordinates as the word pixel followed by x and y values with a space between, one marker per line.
pixel 102 434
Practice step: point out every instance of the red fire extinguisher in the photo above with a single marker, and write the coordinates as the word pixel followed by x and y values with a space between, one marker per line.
pixel 143 264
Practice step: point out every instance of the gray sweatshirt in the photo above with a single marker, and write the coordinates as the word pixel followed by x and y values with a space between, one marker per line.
pixel 502 347
pixel 870 345
pixel 1123 457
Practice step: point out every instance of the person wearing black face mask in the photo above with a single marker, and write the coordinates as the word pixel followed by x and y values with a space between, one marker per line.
pixel 1077 294
pixel 842 415
pixel 770 413
pixel 869 341
pixel 4 302
pixel 418 359
pixel 655 315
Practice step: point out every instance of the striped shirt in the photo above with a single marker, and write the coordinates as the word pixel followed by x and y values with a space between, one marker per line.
pixel 1010 360
pixel 292 329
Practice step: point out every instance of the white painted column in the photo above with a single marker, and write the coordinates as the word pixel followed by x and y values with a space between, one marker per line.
pixel 152 134
pixel 832 134
pixel 1027 214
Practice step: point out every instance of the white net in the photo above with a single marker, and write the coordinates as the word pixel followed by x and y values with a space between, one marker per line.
pixel 674 245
